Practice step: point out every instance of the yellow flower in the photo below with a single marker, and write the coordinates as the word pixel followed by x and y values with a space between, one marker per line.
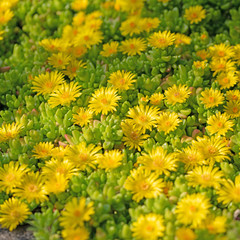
pixel 221 50
pixel 193 209
pixel 181 39
pixel 5 16
pixel 162 39
pixel 206 176
pixel 72 67
pixel 200 64
pixel 31 188
pixel 233 95
pixel 134 137
pixel 163 1
pixel 131 26
pixel 59 60
pixel 167 122
pixel 59 152
pixel 122 80
pixel 82 117
pixel 158 160
pixel 143 117
pixel 79 5
pixel 110 159
pixel 78 19
pixel 195 14
pixel 236 56
pixel 130 5
pixel 191 156
pixel 211 98
pixel 59 166
pixel 109 49
pixel 203 54
pixel 10 175
pixel 64 94
pixel 148 227
pixel 53 45
pixel 216 225
pixel 47 82
pixel 232 109
pixel 78 51
pixel 9 131
pixel 156 99
pixel 75 213
pixel 79 233
pixel 82 155
pixel 144 184
pixel 104 100
pixel 43 150
pixel 214 149
pixel 185 234
pixel 149 23
pixel 222 65
pixel 177 94
pixel 219 124
pixel 13 212
pixel 57 183
pixel 227 79
pixel 229 191
pixel 133 46
pixel 94 24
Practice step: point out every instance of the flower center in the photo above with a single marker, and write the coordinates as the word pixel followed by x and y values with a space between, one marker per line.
pixel 144 186
pixel 221 53
pixel 225 80
pixel 211 99
pixel 220 124
pixel 143 118
pixel 221 66
pixel 206 177
pixel 132 25
pixel 10 177
pixel 77 213
pixel 211 149
pixel 194 15
pixel 15 214
pixel 132 46
pixel 193 208
pixel 122 81
pixel 86 38
pixel 235 109
pixel 83 157
pixel 32 188
pixel 162 40
pixel 104 101
pixel 149 228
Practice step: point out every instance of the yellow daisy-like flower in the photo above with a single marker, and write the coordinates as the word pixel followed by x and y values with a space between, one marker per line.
pixel 133 46
pixel 31 188
pixel 213 149
pixel 94 24
pixel 78 51
pixel 5 16
pixel 158 160
pixel 13 212
pixel 59 166
pixel 203 54
pixel 229 191
pixel 221 50
pixel 149 23
pixel 122 80
pixel 144 184
pixel 43 150
pixel 78 19
pixel 177 94
pixel 64 94
pixel 185 234
pixel 221 65
pixel 195 14
pixel 206 176
pixel 216 225
pixel 219 124
pixel 10 175
pixel 211 98
pixel 79 233
pixel 200 64
pixel 59 152
pixel 133 137
pixel 110 159
pixel 232 109
pixel 130 5
pixel 156 99
pixel 181 39
pixel 167 122
pixel 227 79
pixel 131 26
pixel 57 183
pixel 193 209
pixel 75 213
pixel 236 56
pixel 79 5
pixel 9 131
pixel 104 100
pixel 53 45
pixel 143 117
pixel 162 39
pixel 82 155
pixel 72 67
pixel 47 82
pixel 233 95
pixel 59 60
pixel 148 227
pixel 82 117
pixel 191 156
pixel 109 49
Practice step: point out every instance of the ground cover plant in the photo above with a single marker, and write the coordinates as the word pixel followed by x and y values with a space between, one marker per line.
pixel 120 119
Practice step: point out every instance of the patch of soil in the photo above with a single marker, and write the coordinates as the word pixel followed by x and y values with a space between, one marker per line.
pixel 20 233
